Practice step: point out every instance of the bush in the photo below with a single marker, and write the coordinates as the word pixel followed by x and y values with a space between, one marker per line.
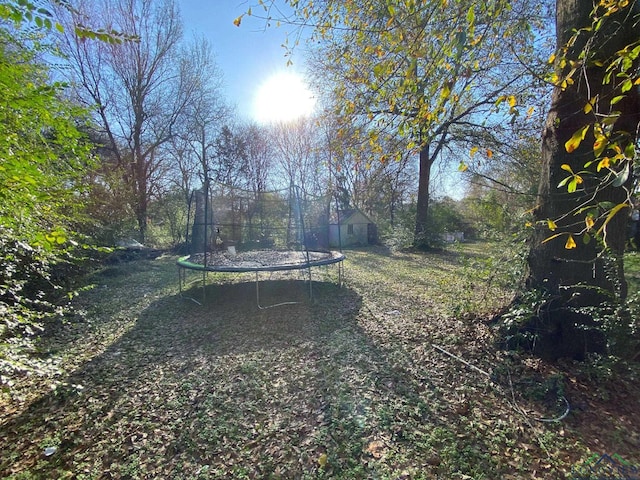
pixel 43 158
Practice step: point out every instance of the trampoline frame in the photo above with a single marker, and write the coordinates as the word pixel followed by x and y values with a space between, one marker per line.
pixel 183 263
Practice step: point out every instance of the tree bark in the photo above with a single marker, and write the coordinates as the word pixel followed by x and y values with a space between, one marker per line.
pixel 421 238
pixel 580 276
pixel 584 276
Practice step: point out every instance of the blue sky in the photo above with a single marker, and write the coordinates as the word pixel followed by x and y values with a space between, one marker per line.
pixel 246 55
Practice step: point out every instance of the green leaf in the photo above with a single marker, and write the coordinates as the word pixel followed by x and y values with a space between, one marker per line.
pixel 630 150
pixel 573 185
pixel 621 176
pixel 471 16
pixel 615 100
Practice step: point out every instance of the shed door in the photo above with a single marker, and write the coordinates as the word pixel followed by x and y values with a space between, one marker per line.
pixel 372 234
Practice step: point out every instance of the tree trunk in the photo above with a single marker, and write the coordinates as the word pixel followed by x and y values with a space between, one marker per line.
pixel 421 237
pixel 581 276
pixel 553 267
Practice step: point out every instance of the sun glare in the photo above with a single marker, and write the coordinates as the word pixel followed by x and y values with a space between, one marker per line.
pixel 283 97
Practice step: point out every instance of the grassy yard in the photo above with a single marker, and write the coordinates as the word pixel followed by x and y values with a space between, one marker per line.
pixel 361 382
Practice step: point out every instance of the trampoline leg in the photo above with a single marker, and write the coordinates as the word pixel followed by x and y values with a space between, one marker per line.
pixel 258 292
pixel 182 280
pixel 204 287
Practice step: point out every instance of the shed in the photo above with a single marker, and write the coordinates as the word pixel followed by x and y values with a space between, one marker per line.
pixel 351 228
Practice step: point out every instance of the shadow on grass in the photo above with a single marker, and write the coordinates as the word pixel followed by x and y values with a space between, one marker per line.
pixel 226 390
pixel 177 359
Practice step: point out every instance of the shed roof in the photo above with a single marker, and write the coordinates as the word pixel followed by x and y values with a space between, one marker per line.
pixel 346 215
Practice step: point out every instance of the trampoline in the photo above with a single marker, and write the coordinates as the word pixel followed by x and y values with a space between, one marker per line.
pixel 237 231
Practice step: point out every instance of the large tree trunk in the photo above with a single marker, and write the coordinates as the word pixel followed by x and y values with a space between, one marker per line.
pixel 421 238
pixel 553 267
pixel 581 276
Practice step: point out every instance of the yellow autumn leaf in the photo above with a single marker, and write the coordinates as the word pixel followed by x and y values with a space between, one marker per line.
pixel 590 104
pixel 599 145
pixel 238 21
pixel 574 142
pixel 604 163
pixel 548 239
pixel 322 460
pixel 612 213
pixel 462 167
pixel 473 151
pixel 376 449
pixel 512 101
pixel 530 111
pixel 551 224
pixel 446 91
pixel 571 243
pixel 588 220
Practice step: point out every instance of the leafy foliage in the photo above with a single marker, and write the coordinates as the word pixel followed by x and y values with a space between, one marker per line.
pixel 426 75
pixel 42 16
pixel 609 84
pixel 42 160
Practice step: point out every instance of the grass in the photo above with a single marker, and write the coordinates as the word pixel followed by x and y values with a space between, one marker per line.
pixel 348 385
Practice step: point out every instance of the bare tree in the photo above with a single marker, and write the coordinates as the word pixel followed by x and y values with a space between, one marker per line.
pixel 139 89
pixel 296 152
pixel 192 146
pixel 259 150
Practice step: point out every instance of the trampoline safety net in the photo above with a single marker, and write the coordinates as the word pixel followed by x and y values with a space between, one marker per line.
pixel 235 230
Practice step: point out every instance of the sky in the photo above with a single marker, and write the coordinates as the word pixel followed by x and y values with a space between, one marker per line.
pixel 250 55
pixel 247 55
